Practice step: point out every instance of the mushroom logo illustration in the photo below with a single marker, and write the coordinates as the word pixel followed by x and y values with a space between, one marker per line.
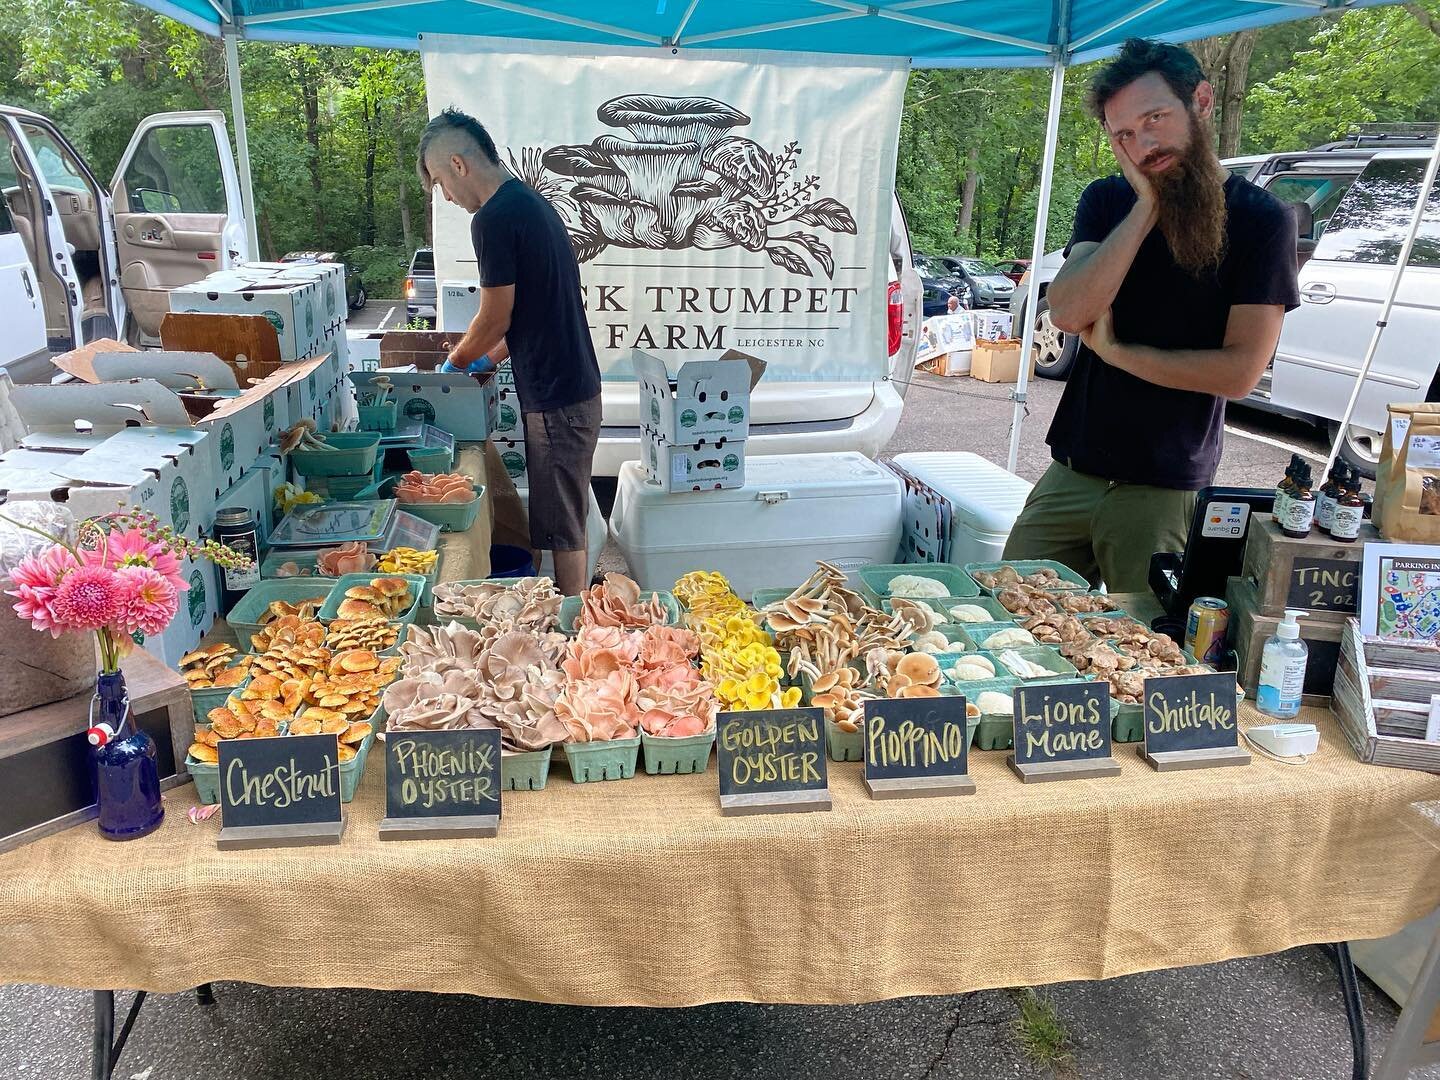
pixel 683 180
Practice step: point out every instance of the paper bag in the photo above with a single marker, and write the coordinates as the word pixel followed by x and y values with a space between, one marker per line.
pixel 1407 482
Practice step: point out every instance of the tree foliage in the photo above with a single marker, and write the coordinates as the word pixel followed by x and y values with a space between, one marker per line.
pixel 333 131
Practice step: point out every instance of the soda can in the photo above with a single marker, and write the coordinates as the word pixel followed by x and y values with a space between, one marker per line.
pixel 1205 629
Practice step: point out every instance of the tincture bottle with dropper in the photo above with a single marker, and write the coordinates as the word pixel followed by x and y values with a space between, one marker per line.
pixel 1327 496
pixel 1349 510
pixel 1283 489
pixel 1299 507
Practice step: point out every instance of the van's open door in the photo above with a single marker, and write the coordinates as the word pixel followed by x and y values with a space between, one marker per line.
pixel 177 210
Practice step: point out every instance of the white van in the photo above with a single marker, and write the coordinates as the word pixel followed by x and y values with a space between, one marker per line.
pixel 103 261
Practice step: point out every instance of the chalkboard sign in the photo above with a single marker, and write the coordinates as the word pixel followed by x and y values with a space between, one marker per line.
pixel 441 784
pixel 1324 585
pixel 280 792
pixel 1062 731
pixel 772 762
pixel 916 747
pixel 1192 722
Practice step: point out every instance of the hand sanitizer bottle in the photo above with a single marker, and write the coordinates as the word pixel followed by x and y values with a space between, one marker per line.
pixel 1282 669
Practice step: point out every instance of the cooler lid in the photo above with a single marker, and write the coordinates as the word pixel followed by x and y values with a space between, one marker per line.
pixel 817 476
pixel 985 497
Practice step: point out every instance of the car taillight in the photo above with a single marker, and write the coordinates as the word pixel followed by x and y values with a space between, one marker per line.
pixel 896 306
pixel 409 288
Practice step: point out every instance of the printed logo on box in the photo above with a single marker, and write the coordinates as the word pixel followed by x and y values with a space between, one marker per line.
pixel 419 409
pixel 269 414
pixel 655 412
pixel 180 504
pixel 508 419
pixel 309 321
pixel 737 414
pixel 275 320
pixel 732 462
pixel 514 463
pixel 227 447
pixel 195 597
pixel 688 418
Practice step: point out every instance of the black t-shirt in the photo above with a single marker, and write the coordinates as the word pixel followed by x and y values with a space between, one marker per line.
pixel 1120 427
pixel 521 241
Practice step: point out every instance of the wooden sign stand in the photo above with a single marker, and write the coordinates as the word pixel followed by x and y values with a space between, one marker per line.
pixel 440 828
pixel 302 834
pixel 1178 760
pixel 919 787
pixel 1040 772
pixel 774 802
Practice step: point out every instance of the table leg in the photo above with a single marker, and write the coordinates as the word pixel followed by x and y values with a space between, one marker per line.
pixel 106 1045
pixel 104 1032
pixel 1354 1009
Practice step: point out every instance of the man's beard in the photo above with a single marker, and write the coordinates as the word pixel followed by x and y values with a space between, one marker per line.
pixel 1190 197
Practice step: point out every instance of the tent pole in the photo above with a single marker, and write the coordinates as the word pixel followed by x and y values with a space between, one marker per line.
pixel 1037 253
pixel 1404 257
pixel 242 144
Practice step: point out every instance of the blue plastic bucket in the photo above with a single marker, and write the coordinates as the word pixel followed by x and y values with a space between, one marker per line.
pixel 507 560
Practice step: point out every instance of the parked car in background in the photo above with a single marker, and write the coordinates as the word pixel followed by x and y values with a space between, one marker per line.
pixel 103 260
pixel 1014 269
pixel 420 292
pixel 988 286
pixel 939 283
pixel 354 287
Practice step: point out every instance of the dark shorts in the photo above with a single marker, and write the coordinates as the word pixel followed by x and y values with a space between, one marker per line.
pixel 560 450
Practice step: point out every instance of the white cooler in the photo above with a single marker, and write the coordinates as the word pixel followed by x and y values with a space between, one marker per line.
pixel 985 500
pixel 793 510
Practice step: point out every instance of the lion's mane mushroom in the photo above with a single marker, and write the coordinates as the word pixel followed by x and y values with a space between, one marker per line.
pixel 744 164
pixel 653 118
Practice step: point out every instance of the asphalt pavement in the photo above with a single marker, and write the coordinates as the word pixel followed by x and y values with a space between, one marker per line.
pixel 1277 1017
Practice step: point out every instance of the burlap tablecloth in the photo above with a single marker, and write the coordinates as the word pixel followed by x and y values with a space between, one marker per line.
pixel 639 892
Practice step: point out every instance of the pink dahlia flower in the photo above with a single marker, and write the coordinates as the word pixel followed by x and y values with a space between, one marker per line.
pixel 89 598
pixel 128 547
pixel 36 579
pixel 151 600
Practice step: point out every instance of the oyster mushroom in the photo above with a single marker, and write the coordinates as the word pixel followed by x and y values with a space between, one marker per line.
pixel 653 118
pixel 621 219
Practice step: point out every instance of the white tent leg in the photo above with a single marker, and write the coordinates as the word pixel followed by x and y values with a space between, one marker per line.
pixel 242 144
pixel 1401 260
pixel 1037 253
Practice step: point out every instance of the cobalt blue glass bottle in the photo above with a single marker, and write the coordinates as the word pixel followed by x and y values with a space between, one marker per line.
pixel 127 779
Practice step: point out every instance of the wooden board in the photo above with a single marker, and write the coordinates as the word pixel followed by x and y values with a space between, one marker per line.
pixel 1250 629
pixel 1214 757
pixel 1041 772
pixel 248 343
pixel 1315 574
pixel 45 768
pixel 775 802
pixel 919 787
pixel 307 834
pixel 474 826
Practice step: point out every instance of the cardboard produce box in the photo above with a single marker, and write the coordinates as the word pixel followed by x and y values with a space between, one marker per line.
pixel 990 325
pixel 295 306
pixel 466 406
pixel 948 365
pixel 708 399
pixel 704 465
pixel 997 361
pixel 459 304
pixel 331 275
pixel 512 455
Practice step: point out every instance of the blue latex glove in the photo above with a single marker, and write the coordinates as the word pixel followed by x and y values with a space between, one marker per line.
pixel 477 367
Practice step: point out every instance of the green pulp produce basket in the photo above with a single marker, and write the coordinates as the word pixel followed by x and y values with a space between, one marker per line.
pixel 666 755
pixel 207 776
pixel 244 618
pixel 1045 655
pixel 377 417
pixel 524 770
pixel 430 459
pixel 843 745
pixel 212 697
pixel 943 604
pixel 343 488
pixel 351 453
pixel 979 633
pixel 613 760
pixel 1128 724
pixel 451 517
pixel 993 731
pixel 875 580
pixel 570 611
pixel 349 581
pixel 1024 567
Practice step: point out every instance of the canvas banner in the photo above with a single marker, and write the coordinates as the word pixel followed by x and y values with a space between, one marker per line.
pixel 718 201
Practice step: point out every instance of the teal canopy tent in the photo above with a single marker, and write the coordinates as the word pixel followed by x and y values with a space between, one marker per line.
pixel 930 33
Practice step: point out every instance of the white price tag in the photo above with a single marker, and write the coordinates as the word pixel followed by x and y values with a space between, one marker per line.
pixel 1399 425
pixel 1432 729
pixel 679 470
pixel 1424 452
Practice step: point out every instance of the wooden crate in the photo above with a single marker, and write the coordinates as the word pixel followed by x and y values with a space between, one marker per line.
pixel 1250 628
pixel 1314 574
pixel 45 768
pixel 1386 730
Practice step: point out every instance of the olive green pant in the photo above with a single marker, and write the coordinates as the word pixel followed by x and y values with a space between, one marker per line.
pixel 1103 529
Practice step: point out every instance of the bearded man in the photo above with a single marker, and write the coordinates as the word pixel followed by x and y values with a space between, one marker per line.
pixel 1177 278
